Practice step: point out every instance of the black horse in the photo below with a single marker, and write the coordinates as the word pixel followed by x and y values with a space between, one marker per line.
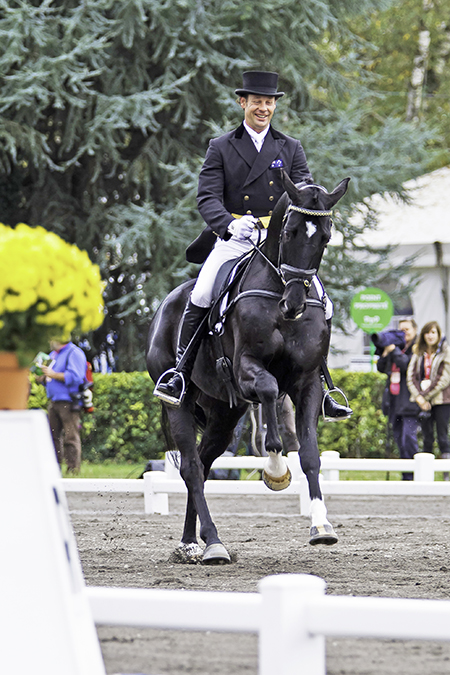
pixel 275 336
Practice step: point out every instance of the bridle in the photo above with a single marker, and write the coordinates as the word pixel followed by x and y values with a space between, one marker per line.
pixel 287 273
pixel 306 212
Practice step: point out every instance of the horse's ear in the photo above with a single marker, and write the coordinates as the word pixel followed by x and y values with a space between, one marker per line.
pixel 337 193
pixel 288 185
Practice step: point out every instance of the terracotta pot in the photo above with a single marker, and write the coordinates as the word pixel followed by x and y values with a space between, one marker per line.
pixel 14 383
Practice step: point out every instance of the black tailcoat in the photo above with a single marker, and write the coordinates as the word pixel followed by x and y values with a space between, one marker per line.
pixel 237 179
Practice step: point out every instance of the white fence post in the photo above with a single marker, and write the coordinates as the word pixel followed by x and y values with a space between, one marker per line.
pixel 424 466
pixel 330 474
pixel 298 475
pixel 47 624
pixel 285 645
pixel 294 465
pixel 155 502
pixel 171 460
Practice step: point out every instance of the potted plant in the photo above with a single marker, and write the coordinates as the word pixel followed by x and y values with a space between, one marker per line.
pixel 48 288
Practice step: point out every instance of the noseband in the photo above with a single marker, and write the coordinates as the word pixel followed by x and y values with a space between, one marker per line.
pixel 297 274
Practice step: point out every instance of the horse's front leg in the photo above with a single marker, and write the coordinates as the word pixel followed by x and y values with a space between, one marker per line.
pixel 256 382
pixel 306 417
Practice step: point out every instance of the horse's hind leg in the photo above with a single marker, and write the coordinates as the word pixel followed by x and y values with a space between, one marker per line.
pixel 216 438
pixel 183 432
pixel 193 472
pixel 188 549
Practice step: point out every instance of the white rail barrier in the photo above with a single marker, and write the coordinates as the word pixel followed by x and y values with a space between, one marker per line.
pixel 291 615
pixel 157 485
pixel 424 466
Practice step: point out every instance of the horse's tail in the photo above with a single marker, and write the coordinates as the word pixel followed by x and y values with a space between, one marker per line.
pixel 165 427
pixel 200 422
pixel 173 455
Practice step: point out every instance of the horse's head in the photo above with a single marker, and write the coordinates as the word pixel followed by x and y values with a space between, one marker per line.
pixel 305 233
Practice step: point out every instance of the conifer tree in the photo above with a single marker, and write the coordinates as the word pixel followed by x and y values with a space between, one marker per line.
pixel 106 109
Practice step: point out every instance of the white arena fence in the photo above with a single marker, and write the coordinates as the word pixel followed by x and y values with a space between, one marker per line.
pixel 291 615
pixel 158 485
pixel 47 600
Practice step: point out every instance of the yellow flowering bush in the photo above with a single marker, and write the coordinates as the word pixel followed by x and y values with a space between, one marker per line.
pixel 48 288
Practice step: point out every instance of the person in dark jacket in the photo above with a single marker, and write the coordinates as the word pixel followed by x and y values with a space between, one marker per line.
pixel 401 411
pixel 239 185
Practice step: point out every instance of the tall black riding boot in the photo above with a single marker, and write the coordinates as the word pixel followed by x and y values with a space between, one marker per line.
pixel 172 391
pixel 331 408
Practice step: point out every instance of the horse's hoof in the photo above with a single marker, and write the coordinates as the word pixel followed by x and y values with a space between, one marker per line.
pixel 216 554
pixel 280 483
pixel 323 534
pixel 187 554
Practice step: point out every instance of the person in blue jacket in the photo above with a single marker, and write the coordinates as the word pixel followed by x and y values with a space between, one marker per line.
pixel 239 184
pixel 64 377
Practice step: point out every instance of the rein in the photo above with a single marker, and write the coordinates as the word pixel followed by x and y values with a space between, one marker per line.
pixel 283 271
pixel 287 274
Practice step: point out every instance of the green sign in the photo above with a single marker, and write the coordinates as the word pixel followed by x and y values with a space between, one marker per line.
pixel 371 309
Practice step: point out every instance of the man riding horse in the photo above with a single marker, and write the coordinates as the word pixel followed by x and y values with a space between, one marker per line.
pixel 239 185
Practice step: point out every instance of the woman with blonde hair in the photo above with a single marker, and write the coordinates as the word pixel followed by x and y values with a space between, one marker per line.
pixel 428 380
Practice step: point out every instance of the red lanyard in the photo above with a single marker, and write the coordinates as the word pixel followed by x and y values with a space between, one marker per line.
pixel 427 361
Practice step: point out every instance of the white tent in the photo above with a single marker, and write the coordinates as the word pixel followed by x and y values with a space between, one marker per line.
pixel 421 229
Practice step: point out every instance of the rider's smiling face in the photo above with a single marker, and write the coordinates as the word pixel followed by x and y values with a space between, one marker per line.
pixel 258 110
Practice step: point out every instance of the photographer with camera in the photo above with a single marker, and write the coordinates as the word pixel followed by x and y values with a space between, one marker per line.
pixel 428 381
pixel 65 379
pixel 395 348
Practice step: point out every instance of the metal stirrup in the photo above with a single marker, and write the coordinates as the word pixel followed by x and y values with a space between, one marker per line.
pixel 326 418
pixel 171 400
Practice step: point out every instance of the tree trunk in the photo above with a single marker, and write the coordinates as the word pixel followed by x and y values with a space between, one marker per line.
pixel 418 75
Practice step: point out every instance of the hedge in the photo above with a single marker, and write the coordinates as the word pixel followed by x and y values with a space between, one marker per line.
pixel 364 434
pixel 125 425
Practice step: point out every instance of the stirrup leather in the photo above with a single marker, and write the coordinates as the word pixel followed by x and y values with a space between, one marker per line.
pixel 326 418
pixel 170 400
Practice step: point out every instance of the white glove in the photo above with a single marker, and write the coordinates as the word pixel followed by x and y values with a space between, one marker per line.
pixel 242 228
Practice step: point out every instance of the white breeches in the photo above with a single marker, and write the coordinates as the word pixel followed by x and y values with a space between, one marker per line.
pixel 221 253
pixel 228 250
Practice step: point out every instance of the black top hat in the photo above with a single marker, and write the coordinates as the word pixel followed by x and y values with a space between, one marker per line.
pixel 259 82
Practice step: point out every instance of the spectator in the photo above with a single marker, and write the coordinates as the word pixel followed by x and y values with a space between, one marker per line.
pixel 428 381
pixel 401 411
pixel 64 377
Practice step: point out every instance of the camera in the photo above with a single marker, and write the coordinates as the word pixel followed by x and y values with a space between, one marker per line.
pixel 82 400
pixel 388 337
pixel 77 402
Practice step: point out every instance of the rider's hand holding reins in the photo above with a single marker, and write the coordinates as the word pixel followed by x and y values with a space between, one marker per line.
pixel 242 228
